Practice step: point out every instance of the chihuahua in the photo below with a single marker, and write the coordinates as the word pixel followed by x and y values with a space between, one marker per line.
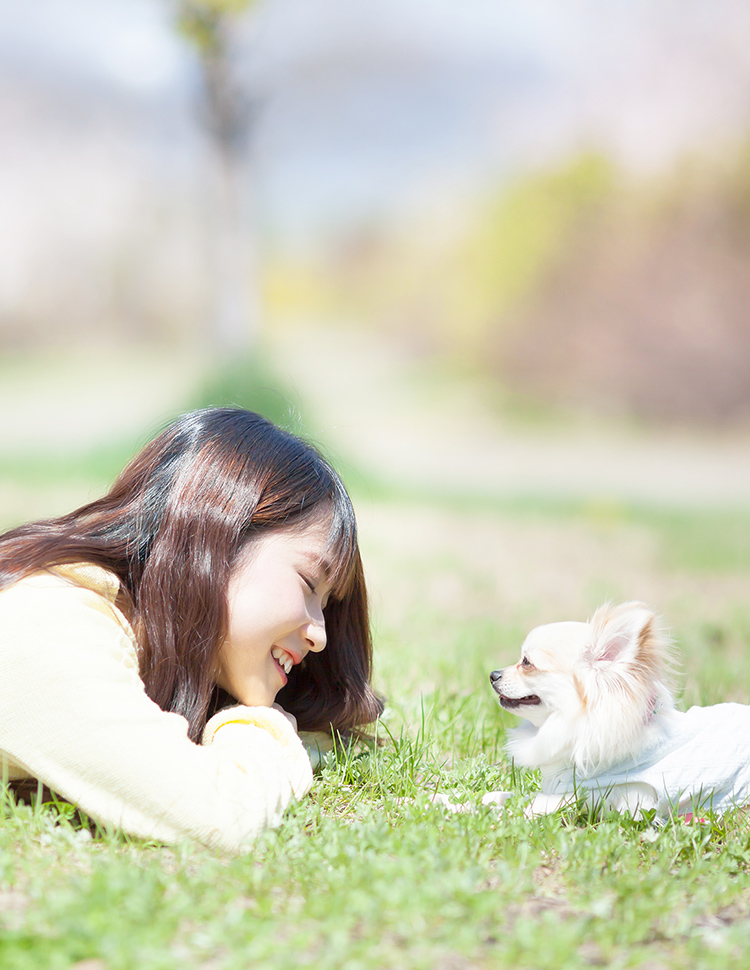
pixel 600 722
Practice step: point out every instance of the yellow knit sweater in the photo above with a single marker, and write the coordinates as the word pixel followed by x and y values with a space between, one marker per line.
pixel 74 713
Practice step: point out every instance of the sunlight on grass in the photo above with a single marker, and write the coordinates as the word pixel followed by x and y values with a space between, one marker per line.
pixel 367 872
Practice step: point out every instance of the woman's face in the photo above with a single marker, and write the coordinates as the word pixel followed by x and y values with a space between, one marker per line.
pixel 276 595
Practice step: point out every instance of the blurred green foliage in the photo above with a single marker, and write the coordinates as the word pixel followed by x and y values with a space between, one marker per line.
pixel 446 285
pixel 249 381
pixel 252 382
pixel 576 289
pixel 201 21
pixel 518 236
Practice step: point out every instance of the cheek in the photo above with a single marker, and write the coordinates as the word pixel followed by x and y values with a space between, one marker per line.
pixel 246 620
pixel 263 615
pixel 560 694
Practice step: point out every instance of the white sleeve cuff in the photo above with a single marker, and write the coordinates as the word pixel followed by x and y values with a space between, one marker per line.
pixel 230 728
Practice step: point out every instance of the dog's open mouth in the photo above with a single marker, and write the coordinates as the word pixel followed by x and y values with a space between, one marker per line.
pixel 513 703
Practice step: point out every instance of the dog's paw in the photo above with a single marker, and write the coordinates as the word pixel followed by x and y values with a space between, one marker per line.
pixel 498 798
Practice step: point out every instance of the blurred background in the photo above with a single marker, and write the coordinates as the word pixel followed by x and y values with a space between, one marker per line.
pixel 495 251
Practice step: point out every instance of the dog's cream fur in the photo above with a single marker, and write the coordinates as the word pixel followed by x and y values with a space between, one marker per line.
pixel 599 719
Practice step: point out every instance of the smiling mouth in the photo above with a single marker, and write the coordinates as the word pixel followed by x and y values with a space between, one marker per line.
pixel 283 659
pixel 513 703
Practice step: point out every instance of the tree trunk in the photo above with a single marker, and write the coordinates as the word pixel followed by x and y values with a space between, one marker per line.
pixel 234 307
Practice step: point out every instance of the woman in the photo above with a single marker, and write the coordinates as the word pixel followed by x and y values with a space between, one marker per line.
pixel 221 569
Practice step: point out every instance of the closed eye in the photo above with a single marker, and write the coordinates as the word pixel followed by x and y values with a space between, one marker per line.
pixel 313 587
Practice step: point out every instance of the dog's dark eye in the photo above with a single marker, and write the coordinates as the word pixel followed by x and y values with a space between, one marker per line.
pixel 525 662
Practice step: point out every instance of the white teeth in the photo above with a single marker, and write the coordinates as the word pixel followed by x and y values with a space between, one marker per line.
pixel 283 658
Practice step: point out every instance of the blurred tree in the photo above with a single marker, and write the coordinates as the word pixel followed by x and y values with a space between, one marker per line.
pixel 214 27
pixel 646 310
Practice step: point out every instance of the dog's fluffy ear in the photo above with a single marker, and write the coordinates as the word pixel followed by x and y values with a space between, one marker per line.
pixel 628 661
pixel 621 633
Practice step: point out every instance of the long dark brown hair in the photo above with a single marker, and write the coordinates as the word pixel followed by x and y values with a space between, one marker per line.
pixel 172 528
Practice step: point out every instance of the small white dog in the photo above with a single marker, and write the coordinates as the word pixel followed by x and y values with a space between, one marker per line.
pixel 600 722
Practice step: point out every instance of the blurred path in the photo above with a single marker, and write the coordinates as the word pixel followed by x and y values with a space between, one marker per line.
pixel 69 404
pixel 381 411
pixel 377 410
pixel 80 399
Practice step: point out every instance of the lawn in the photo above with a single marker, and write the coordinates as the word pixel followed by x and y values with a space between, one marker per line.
pixel 367 872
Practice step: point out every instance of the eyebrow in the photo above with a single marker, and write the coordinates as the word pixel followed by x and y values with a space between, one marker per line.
pixel 323 562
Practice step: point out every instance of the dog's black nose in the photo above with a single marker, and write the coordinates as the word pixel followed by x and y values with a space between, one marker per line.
pixel 495 676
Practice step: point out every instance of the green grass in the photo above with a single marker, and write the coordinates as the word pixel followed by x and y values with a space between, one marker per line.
pixel 366 872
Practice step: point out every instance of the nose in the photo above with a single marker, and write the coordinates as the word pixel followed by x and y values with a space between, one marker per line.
pixel 495 676
pixel 315 634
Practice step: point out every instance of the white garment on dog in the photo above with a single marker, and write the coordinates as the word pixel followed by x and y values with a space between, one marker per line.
pixel 701 763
